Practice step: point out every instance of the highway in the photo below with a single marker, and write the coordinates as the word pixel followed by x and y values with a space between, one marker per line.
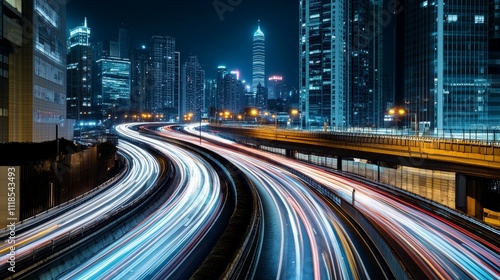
pixel 435 248
pixel 158 246
pixel 303 237
pixel 137 181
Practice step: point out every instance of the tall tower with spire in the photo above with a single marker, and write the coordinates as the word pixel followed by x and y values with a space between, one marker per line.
pixel 259 59
pixel 79 74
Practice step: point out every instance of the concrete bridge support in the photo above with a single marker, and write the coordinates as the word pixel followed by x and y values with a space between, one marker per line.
pixel 470 195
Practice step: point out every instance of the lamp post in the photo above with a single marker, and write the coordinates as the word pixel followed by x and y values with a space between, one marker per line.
pixel 253 112
pixel 295 112
pixel 401 112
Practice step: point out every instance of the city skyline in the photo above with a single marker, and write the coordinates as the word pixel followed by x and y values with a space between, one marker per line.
pixel 202 28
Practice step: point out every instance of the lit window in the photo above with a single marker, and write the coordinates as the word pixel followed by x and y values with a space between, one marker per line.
pixel 423 4
pixel 452 18
pixel 479 19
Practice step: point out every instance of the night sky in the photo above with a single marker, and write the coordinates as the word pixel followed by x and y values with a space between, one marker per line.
pixel 199 30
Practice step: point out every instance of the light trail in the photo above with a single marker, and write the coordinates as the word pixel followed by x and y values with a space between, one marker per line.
pixel 157 246
pixel 303 238
pixel 138 180
pixel 439 248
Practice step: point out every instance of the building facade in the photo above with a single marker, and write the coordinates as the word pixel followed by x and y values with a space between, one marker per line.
pixel 220 99
pixel 450 71
pixel 323 62
pixel 79 75
pixel 36 71
pixel 139 75
pixel 113 84
pixel 494 64
pixel 258 59
pixel 275 87
pixel 162 94
pixel 233 92
pixel 340 63
pixel 193 89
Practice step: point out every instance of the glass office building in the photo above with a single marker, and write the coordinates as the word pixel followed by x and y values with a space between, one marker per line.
pixel 113 83
pixel 259 59
pixel 447 63
pixel 193 88
pixel 340 63
pixel 79 74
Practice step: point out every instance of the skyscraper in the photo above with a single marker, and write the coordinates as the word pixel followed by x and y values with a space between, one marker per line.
pixel 163 77
pixel 494 64
pixel 79 74
pixel 340 62
pixel 233 91
pixel 139 78
pixel 220 99
pixel 323 62
pixel 36 71
pixel 259 59
pixel 193 78
pixel 210 96
pixel 176 107
pixel 275 86
pixel 113 84
pixel 124 42
pixel 447 62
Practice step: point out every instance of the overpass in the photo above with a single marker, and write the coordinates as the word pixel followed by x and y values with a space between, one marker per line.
pixel 469 163
pixel 468 157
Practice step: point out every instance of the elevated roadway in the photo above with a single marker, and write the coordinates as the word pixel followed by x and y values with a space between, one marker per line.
pixel 468 157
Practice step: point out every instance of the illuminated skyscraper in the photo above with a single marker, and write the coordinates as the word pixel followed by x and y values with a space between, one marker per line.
pixel 34 35
pixel 275 86
pixel 79 74
pixel 340 55
pixel 259 59
pixel 113 84
pixel 451 64
pixel 323 62
pixel 139 74
pixel 163 94
pixel 193 78
pixel 220 99
pixel 234 93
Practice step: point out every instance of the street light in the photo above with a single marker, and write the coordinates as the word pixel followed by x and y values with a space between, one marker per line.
pixel 253 112
pixel 401 112
pixel 295 112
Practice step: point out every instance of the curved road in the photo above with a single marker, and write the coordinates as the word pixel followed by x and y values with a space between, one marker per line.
pixel 137 181
pixel 303 238
pixel 156 248
pixel 436 247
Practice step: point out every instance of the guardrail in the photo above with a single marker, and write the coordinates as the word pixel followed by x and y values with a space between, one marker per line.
pixel 483 156
pixel 383 245
pixel 64 243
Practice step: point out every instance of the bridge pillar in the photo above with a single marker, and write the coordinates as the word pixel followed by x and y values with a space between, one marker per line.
pixel 469 195
pixel 339 163
pixel 461 192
